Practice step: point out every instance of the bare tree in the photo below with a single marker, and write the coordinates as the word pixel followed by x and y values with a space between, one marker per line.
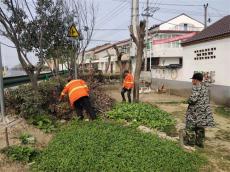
pixel 84 17
pixel 119 56
pixel 139 41
pixel 109 61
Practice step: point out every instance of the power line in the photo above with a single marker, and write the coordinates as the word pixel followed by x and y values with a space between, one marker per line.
pixel 111 29
pixel 193 13
pixel 166 4
pixel 222 11
pixel 114 14
pixel 106 15
pixel 170 23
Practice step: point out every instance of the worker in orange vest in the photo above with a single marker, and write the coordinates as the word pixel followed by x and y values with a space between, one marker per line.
pixel 78 93
pixel 128 84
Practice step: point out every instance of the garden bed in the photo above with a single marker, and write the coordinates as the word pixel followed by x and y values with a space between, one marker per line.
pixel 105 146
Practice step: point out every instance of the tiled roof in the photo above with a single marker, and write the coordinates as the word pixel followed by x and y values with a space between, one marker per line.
pixel 219 29
pixel 98 47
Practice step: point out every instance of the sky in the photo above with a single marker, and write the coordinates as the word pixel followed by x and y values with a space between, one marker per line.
pixel 114 16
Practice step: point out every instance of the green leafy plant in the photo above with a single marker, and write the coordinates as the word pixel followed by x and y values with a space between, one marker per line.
pixel 43 122
pixel 143 114
pixel 27 138
pixel 107 146
pixel 21 153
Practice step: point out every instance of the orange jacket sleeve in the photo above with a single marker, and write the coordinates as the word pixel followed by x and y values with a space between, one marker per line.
pixel 65 90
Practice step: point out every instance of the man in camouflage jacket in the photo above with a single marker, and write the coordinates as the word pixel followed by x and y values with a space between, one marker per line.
pixel 199 113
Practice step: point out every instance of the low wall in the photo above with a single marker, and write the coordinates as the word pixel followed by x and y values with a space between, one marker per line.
pixel 219 94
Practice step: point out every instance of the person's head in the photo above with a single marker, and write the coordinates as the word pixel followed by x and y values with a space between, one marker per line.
pixel 69 78
pixel 126 72
pixel 197 78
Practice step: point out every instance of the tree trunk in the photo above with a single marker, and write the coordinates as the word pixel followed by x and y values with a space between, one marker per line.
pixel 34 80
pixel 137 75
pixel 139 41
pixel 119 56
pixel 57 67
pixel 121 72
pixel 109 61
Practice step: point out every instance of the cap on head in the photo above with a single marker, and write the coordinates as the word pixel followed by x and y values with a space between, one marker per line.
pixel 198 76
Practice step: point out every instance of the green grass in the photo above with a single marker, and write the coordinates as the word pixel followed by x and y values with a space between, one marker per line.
pixel 224 111
pixel 143 114
pixel 172 102
pixel 107 147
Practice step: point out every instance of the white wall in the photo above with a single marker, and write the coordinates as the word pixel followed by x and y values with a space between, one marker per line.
pixel 169 74
pixel 166 52
pixel 171 25
pixel 221 64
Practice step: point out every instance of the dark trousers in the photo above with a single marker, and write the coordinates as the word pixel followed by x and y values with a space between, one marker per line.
pixel 123 91
pixel 195 136
pixel 84 103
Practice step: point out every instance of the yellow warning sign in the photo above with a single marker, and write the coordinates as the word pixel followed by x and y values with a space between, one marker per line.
pixel 73 32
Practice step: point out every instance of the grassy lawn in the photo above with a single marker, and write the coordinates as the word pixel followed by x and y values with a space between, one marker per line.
pixel 109 147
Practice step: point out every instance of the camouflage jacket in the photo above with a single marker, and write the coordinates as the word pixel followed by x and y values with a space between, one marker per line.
pixel 199 113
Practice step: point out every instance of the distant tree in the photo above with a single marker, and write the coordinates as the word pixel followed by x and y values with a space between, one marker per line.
pixel 40 31
pixel 139 41
pixel 119 56
pixel 84 16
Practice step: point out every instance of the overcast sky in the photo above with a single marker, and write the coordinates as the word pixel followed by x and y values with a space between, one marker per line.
pixel 116 14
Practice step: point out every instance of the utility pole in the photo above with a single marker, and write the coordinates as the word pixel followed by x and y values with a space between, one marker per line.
pixel 146 34
pixel 149 13
pixel 1 89
pixel 134 23
pixel 205 14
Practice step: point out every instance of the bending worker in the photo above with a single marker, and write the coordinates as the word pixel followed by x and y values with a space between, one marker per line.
pixel 78 93
pixel 128 84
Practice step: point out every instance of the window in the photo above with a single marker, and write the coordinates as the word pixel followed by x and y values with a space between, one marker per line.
pixel 155 61
pixel 185 26
pixel 181 61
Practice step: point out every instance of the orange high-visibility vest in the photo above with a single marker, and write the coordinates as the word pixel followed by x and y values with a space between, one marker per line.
pixel 75 89
pixel 128 82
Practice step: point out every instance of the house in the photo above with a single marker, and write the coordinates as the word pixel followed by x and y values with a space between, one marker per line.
pixel 98 57
pixel 208 52
pixel 90 60
pixel 164 46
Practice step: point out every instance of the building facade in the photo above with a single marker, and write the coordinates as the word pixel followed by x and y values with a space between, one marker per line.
pixel 207 52
pixel 98 57
pixel 165 40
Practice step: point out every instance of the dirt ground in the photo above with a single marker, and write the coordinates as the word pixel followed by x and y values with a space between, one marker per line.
pixel 217 144
pixel 14 132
